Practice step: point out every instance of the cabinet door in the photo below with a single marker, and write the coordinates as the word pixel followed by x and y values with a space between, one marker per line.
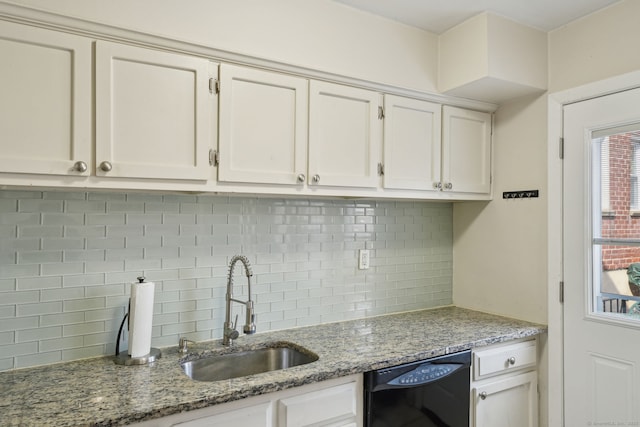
pixel 252 416
pixel 509 401
pixel 45 106
pixel 333 406
pixel 345 136
pixel 466 151
pixel 154 113
pixel 411 143
pixel 263 126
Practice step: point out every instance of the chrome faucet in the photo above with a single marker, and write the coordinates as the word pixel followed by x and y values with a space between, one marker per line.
pixel 230 333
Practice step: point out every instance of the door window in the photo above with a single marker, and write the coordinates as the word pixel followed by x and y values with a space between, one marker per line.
pixel 616 223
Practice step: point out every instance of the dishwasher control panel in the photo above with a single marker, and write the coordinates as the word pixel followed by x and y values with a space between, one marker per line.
pixel 424 373
pixel 418 373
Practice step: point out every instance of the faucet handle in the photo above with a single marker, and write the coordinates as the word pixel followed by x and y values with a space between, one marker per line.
pixel 233 332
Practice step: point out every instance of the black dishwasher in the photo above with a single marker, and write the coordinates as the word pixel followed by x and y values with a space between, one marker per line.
pixel 429 393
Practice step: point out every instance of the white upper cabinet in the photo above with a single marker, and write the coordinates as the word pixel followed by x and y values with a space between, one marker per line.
pixel 154 113
pixel 411 143
pixel 466 151
pixel 345 136
pixel 45 106
pixel 262 127
pixel 86 113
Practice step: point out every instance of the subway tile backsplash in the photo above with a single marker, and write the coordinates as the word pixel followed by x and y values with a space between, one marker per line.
pixel 67 260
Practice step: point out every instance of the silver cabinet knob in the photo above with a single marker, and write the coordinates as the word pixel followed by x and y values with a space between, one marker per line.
pixel 301 178
pixel 512 360
pixel 448 186
pixel 316 178
pixel 80 166
pixel 106 166
pixel 437 186
pixel 483 395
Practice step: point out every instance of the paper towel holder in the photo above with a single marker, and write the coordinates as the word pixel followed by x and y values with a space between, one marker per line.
pixel 123 357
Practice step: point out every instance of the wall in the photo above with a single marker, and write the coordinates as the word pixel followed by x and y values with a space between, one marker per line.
pixel 67 259
pixel 318 34
pixel 500 247
pixel 596 47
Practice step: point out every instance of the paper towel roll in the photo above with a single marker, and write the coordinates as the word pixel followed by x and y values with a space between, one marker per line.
pixel 141 318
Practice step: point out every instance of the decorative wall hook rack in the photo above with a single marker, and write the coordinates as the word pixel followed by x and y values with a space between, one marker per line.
pixel 523 194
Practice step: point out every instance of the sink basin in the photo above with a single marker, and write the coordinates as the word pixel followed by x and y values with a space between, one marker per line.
pixel 249 362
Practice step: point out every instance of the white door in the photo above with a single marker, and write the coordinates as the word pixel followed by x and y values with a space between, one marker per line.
pixel 45 101
pixel 601 240
pixel 412 142
pixel 263 126
pixel 154 113
pixel 345 135
pixel 466 151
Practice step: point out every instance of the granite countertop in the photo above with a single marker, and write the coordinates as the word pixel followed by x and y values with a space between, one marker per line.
pixel 99 392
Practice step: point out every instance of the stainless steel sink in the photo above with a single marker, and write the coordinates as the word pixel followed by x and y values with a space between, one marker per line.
pixel 249 362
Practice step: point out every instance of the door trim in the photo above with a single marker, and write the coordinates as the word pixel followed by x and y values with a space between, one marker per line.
pixel 554 353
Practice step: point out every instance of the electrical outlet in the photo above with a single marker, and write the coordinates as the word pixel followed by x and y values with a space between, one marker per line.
pixel 363 259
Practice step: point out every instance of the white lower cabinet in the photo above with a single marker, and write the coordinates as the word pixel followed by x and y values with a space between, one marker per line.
pixel 504 386
pixel 507 402
pixel 260 415
pixel 333 406
pixel 331 403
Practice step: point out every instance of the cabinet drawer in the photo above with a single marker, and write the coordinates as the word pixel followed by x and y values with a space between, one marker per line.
pixel 322 407
pixel 507 358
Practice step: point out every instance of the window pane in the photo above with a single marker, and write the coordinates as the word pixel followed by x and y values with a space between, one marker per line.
pixel 617 172
pixel 619 282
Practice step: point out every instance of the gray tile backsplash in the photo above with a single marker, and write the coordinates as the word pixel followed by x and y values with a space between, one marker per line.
pixel 67 260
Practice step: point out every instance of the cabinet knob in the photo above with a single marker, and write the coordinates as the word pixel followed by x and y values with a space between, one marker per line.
pixel 301 178
pixel 512 360
pixel 80 166
pixel 437 186
pixel 106 166
pixel 316 178
pixel 448 186
pixel 483 395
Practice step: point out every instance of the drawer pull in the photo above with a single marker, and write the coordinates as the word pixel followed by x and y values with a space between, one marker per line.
pixel 483 395
pixel 512 360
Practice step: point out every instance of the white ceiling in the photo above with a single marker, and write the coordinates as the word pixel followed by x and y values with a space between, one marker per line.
pixel 438 16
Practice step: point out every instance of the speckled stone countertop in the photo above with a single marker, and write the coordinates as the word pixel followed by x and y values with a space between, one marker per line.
pixel 99 392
